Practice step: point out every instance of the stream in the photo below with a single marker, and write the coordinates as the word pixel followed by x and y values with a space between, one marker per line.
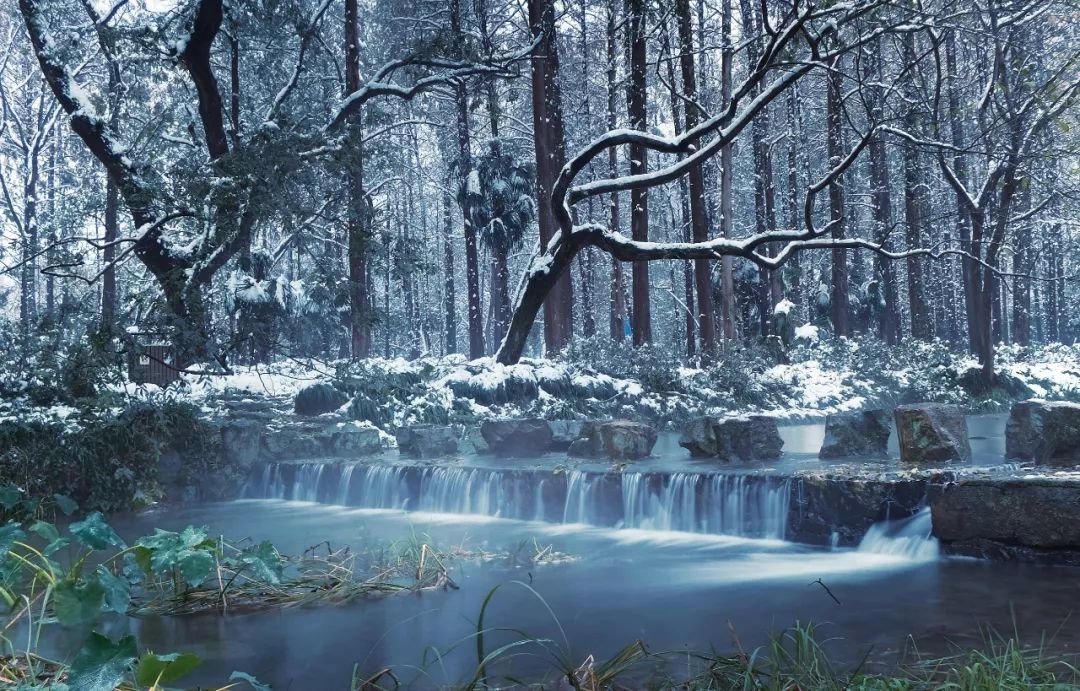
pixel 695 561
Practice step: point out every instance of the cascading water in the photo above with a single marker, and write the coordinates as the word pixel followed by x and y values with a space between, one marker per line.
pixel 910 538
pixel 744 505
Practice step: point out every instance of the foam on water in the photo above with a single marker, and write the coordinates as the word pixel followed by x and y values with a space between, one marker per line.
pixel 909 538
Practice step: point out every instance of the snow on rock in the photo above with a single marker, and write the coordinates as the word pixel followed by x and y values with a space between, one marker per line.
pixel 784 307
pixel 806 332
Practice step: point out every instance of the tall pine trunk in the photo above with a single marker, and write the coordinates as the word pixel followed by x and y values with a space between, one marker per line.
pixel 617 323
pixel 550 156
pixel 838 302
pixel 699 220
pixel 359 317
pixel 639 198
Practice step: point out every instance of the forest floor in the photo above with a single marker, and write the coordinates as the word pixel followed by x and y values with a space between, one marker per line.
pixel 808 381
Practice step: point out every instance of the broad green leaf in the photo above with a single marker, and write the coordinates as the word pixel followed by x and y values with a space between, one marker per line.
pixel 190 552
pixel 143 556
pixel 9 535
pixel 117 591
pixel 262 563
pixel 95 533
pixel 10 496
pixel 76 604
pixel 195 566
pixel 255 683
pixel 66 504
pixel 101 665
pixel 46 531
pixel 164 669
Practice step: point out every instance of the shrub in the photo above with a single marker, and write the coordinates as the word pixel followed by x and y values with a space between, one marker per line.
pixel 317 399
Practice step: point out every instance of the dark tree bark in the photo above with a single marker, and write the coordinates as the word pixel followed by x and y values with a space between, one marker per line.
pixel 639 200
pixel 839 311
pixel 449 292
pixel 699 221
pixel 465 167
pixel 921 328
pixel 889 326
pixel 727 210
pixel 617 322
pixel 684 221
pixel 550 156
pixel 358 231
pixel 768 290
pixel 500 273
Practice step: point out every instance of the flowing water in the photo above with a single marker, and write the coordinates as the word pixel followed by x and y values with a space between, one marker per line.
pixel 671 552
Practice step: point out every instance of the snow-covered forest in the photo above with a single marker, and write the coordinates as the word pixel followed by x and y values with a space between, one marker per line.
pixel 256 180
pixel 633 315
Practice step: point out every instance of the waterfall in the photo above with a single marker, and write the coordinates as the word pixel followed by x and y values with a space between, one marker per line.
pixel 910 538
pixel 753 506
pixel 748 506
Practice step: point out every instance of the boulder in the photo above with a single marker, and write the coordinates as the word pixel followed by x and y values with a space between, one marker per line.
pixel 564 433
pixel 528 437
pixel 317 399
pixel 857 433
pixel 932 433
pixel 1024 519
pixel 291 441
pixel 427 441
pixel 748 438
pixel 241 441
pixel 349 440
pixel 618 440
pixel 1046 432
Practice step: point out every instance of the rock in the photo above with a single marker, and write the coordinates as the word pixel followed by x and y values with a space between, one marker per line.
pixel 317 399
pixel 241 441
pixel 618 440
pixel 290 442
pixel 564 433
pixel 932 433
pixel 863 433
pixel 1025 519
pixel 348 440
pixel 753 437
pixel 427 441
pixel 836 507
pixel 1046 432
pixel 528 437
pixel 474 441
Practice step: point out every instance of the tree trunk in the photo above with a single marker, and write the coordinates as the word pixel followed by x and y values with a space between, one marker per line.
pixel 727 274
pixel 639 199
pixel 764 195
pixel 617 322
pixel 550 156
pixel 839 312
pixel 1022 265
pixel 500 275
pixel 699 220
pixel 465 166
pixel 889 318
pixel 913 209
pixel 449 293
pixel 359 318
pixel 28 273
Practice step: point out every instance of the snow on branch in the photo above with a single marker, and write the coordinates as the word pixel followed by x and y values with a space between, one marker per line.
pixel 445 72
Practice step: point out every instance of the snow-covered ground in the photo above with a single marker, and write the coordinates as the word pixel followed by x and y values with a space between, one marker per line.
pixel 819 377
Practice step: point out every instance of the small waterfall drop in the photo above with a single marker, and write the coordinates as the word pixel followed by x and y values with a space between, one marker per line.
pixel 754 506
pixel 910 538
